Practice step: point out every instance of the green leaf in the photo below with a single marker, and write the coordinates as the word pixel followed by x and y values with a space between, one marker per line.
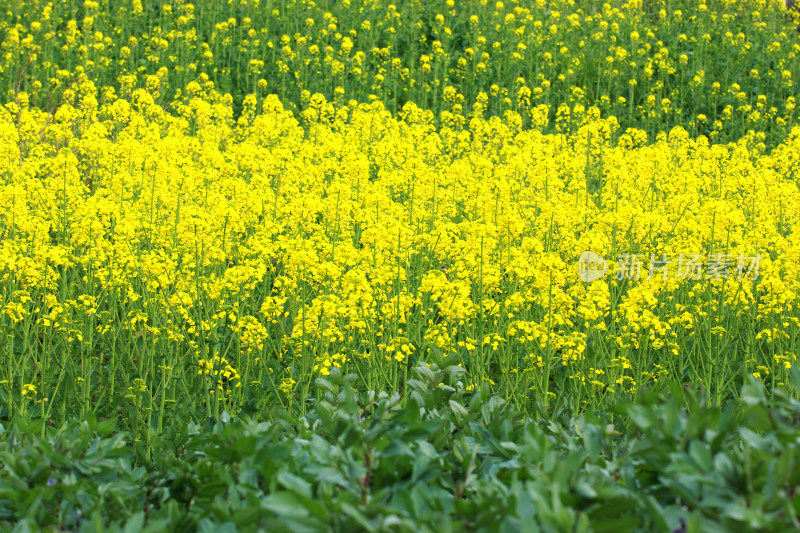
pixel 284 503
pixel 700 454
pixel 356 515
pixel 295 484
pixel 135 523
pixel 458 410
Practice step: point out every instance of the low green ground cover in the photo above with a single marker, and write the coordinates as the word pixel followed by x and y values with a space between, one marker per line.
pixel 447 461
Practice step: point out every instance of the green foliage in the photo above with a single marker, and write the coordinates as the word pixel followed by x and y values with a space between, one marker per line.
pixel 446 461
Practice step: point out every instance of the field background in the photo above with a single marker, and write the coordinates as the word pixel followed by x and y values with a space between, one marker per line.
pixel 313 265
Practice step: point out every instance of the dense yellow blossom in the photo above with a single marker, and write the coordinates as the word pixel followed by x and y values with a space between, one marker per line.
pixel 165 237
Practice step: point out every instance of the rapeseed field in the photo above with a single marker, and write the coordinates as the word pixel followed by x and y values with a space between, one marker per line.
pixel 227 209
